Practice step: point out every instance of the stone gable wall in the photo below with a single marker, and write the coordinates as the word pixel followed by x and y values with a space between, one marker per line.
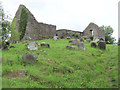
pixel 97 32
pixel 37 30
pixel 34 29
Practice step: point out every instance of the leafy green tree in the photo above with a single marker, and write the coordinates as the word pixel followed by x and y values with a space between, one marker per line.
pixel 4 25
pixel 108 34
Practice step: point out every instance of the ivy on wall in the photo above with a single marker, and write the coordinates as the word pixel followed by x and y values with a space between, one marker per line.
pixel 23 22
pixel 14 34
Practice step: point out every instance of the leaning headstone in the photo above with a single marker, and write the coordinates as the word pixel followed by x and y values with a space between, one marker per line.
pixel 43 44
pixel 37 43
pixel 70 47
pixel 32 45
pixel 93 44
pixel 88 40
pixel 29 57
pixel 81 45
pixel 102 45
pixel 55 37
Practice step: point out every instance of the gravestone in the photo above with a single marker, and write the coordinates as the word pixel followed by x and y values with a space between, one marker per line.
pixel 32 45
pixel 43 44
pixel 37 43
pixel 68 37
pixel 93 44
pixel 55 37
pixel 70 47
pixel 102 45
pixel 81 45
pixel 29 57
pixel 88 40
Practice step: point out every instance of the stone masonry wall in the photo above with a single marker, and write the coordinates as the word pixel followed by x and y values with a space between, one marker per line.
pixel 37 30
pixel 97 32
pixel 34 29
pixel 65 32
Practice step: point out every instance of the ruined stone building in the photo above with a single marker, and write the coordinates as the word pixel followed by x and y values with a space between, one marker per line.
pixel 95 31
pixel 92 30
pixel 34 30
pixel 31 29
pixel 65 32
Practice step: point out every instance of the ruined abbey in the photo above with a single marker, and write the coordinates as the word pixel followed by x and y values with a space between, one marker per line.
pixel 34 30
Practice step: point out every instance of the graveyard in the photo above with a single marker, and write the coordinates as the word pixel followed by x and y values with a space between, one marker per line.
pixel 36 55
pixel 60 67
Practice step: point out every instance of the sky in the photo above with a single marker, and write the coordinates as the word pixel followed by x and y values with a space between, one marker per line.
pixel 69 14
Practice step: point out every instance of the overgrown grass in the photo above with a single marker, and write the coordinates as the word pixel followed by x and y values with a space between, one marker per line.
pixel 59 67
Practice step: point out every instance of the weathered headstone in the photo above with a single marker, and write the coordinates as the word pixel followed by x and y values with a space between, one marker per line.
pixel 37 43
pixel 32 45
pixel 43 44
pixel 81 45
pixel 102 45
pixel 88 40
pixel 55 37
pixel 68 37
pixel 93 44
pixel 70 47
pixel 29 57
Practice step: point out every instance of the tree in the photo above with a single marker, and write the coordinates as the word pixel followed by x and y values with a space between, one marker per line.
pixel 5 25
pixel 108 34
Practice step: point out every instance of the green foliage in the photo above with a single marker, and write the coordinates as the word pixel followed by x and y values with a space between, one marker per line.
pixel 23 22
pixel 108 34
pixel 58 67
pixel 4 25
pixel 15 35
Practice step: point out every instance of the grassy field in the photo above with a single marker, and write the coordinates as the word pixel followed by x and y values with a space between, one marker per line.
pixel 58 67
